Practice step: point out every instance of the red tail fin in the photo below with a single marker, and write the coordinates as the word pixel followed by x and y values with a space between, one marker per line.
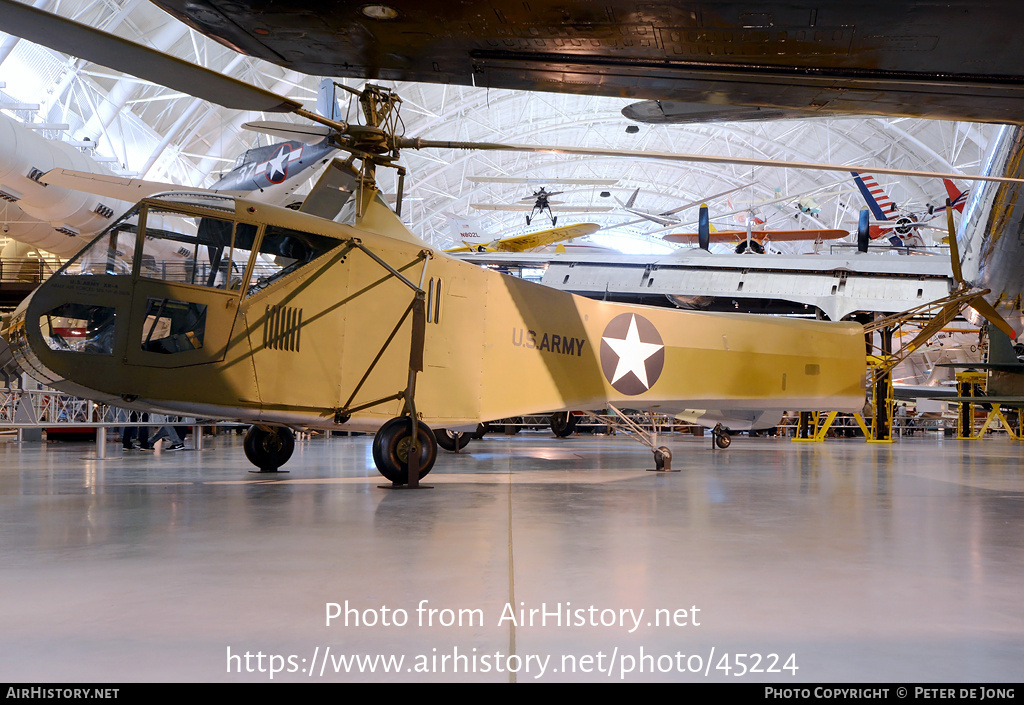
pixel 957 197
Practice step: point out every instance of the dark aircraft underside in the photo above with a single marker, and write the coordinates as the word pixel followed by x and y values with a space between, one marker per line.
pixel 950 60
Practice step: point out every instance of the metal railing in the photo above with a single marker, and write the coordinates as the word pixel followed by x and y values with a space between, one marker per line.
pixel 46 408
pixel 31 270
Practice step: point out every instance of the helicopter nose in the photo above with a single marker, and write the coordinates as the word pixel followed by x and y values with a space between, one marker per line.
pixel 61 334
pixel 21 349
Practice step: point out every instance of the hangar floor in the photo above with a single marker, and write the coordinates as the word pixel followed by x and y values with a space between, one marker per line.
pixel 847 561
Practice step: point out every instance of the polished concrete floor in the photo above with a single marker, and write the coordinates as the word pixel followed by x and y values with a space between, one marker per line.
pixel 781 562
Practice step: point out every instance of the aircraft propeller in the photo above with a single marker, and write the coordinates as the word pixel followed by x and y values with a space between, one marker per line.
pixel 863 230
pixel 979 304
pixel 704 228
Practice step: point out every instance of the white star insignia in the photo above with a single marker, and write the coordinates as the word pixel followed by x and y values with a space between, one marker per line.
pixel 276 165
pixel 633 354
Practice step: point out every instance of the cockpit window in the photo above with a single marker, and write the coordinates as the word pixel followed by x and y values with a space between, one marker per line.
pixel 110 253
pixel 79 328
pixel 188 249
pixel 283 251
pixel 203 250
pixel 173 326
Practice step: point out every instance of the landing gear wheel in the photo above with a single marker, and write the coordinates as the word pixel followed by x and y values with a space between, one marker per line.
pixel 755 247
pixel 269 449
pixel 391 448
pixel 482 430
pixel 453 441
pixel 663 460
pixel 722 438
pixel 563 423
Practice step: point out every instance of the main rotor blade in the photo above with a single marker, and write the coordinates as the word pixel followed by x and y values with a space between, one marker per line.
pixel 415 143
pixel 310 134
pixel 704 200
pixel 108 50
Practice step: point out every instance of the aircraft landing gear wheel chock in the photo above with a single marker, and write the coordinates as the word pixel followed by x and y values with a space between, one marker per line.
pixel 393 445
pixel 720 436
pixel 269 448
pixel 452 441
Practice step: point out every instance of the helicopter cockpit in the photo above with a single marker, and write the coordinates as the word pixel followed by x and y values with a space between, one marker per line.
pixel 160 287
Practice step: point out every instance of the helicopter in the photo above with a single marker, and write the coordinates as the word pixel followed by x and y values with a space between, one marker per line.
pixel 292 321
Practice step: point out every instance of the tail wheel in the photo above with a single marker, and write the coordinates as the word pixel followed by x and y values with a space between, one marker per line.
pixel 482 430
pixel 722 439
pixel 269 449
pixel 563 423
pixel 452 440
pixel 392 446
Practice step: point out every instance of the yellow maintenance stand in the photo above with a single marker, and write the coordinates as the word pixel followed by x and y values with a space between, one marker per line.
pixel 971 385
pixel 929 319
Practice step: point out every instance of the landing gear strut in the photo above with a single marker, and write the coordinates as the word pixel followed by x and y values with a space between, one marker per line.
pixel 662 455
pixel 393 448
pixel 269 448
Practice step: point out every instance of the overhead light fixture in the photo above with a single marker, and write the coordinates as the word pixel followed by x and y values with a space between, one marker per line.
pixel 606 194
pixel 379 12
pixel 632 129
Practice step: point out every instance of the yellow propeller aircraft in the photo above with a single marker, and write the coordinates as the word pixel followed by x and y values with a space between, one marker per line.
pixel 473 240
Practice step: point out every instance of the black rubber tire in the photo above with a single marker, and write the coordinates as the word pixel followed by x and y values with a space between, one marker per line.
pixel 723 440
pixel 269 450
pixel 482 429
pixel 755 247
pixel 391 449
pixel 563 423
pixel 452 440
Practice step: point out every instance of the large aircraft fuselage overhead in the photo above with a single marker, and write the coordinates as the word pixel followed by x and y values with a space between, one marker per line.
pixel 992 230
pixel 952 60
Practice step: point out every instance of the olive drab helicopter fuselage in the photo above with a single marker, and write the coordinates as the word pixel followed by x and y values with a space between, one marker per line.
pixel 287 320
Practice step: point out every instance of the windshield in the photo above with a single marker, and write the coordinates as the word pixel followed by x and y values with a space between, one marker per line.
pixel 202 250
pixel 110 253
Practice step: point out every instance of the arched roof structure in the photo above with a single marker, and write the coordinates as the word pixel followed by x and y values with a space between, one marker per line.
pixel 147 130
